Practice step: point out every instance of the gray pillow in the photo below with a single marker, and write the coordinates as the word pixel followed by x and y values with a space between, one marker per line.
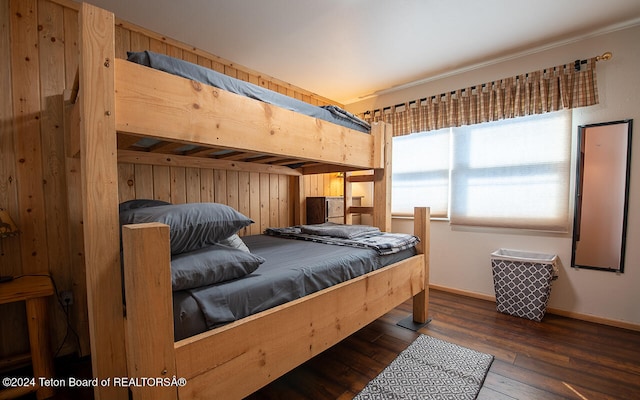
pixel 209 265
pixel 192 226
pixel 235 242
pixel 140 203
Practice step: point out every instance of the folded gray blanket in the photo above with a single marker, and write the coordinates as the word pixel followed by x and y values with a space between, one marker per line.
pixel 382 242
pixel 339 230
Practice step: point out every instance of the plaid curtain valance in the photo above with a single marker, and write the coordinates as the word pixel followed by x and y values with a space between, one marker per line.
pixel 562 87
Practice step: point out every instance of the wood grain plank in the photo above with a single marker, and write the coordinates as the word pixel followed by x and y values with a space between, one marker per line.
pixel 217 66
pixel 254 203
pixel 242 75
pixel 174 51
pixel 70 46
pixel 26 288
pixel 178 185
pixel 10 256
pixel 51 41
pixel 382 187
pixel 100 194
pixel 126 182
pixel 284 217
pixel 297 196
pixel 157 46
pixel 193 185
pixel 189 56
pixel 138 157
pixel 326 183
pixel 244 199
pixel 421 227
pixel 204 62
pixel 143 103
pixel 230 70
pixel 147 255
pixel 13 331
pixel 79 313
pixel 274 199
pixel 220 185
pixel 347 188
pixel 232 190
pixel 162 183
pixel 41 354
pixel 123 42
pixel 27 143
pixel 143 181
pixel 207 190
pixel 265 200
pixel 139 41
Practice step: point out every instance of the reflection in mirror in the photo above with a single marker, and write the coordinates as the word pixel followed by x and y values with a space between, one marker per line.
pixel 602 195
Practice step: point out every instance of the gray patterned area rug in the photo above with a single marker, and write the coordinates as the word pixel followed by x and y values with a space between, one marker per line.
pixel 431 368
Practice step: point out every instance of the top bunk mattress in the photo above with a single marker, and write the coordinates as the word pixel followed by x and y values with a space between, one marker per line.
pixel 292 269
pixel 213 78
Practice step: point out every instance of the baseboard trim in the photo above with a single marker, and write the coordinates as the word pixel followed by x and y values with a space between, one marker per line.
pixel 461 292
pixel 550 310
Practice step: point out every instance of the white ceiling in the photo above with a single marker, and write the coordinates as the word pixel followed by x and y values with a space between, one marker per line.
pixel 348 49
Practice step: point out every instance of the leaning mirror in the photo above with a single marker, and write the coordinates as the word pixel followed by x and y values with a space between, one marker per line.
pixel 602 195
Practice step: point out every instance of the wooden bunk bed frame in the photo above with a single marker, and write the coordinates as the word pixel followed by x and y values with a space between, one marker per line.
pixel 120 102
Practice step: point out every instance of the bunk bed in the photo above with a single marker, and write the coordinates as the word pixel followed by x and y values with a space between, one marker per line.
pixel 120 104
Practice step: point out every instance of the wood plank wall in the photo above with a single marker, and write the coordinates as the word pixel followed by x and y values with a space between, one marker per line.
pixel 40 182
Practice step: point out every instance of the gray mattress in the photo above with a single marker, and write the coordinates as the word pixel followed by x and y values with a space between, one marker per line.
pixel 283 277
pixel 198 73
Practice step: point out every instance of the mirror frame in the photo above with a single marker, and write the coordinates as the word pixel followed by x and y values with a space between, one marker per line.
pixel 578 195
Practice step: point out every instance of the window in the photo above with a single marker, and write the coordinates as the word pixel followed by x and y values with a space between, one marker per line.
pixel 510 173
pixel 420 172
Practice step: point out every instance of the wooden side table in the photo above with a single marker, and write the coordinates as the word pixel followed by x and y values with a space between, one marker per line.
pixel 33 290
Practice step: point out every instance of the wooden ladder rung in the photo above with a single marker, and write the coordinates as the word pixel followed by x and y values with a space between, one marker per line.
pixel 360 178
pixel 361 210
pixel 376 176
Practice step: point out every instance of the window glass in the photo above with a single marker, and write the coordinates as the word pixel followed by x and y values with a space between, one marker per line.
pixel 420 172
pixel 510 173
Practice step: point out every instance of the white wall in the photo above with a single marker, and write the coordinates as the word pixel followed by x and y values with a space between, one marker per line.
pixel 460 258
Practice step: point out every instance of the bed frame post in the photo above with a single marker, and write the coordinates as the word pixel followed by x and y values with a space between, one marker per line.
pixel 100 198
pixel 348 198
pixel 421 229
pixel 382 183
pixel 299 200
pixel 150 354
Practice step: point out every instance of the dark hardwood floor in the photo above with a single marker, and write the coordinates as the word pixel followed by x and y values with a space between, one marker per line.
pixel 559 358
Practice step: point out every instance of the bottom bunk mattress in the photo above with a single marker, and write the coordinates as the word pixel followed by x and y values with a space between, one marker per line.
pixel 292 269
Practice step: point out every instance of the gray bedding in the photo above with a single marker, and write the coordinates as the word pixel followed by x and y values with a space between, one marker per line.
pixel 283 277
pixel 360 236
pixel 198 73
pixel 339 230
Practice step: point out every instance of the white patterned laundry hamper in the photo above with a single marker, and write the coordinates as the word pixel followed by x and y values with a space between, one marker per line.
pixel 522 281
